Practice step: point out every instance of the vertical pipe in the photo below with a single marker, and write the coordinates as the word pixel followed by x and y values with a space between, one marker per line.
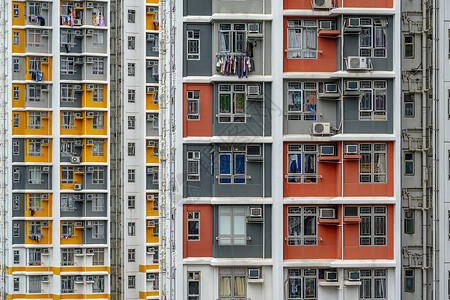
pixel 434 149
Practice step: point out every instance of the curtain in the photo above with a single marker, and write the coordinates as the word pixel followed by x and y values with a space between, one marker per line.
pixel 295 101
pixel 225 286
pixel 380 288
pixel 294 163
pixel 365 289
pixel 380 159
pixel 239 286
pixel 224 41
pixel 380 37
pixel 310 42
pixel 380 100
pixel 366 100
pixel 365 38
pixel 294 42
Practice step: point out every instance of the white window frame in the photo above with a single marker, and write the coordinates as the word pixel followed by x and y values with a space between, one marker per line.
pixel 131 255
pixel 34 284
pixel 302 278
pixel 370 279
pixel 301 216
pixel 34 257
pixel 67 230
pixel 232 274
pixel 373 94
pixel 16 11
pixel 98 66
pixel 98 40
pixel 194 278
pixel 131 122
pixel 35 175
pixel 98 230
pixel 34 38
pixel 131 175
pixel 131 16
pixel 304 110
pixel 98 175
pixel 234 35
pixel 16 93
pixel 131 281
pixel 131 42
pixel 34 120
pixel 16 65
pixel 233 115
pixel 373 172
pixel 193 165
pixel 98 149
pixel 305 151
pixel 371 233
pixel 98 202
pixel 131 96
pixel 131 69
pixel 16 38
pixel 67 120
pixel 193 105
pixel 131 149
pixel 99 284
pixel 233 177
pixel 67 66
pixel 98 259
pixel 68 202
pixel 67 284
pixel 34 147
pixel 131 229
pixel 67 93
pixel 193 217
pixel 34 202
pixel 302 39
pixel 236 217
pixel 67 256
pixel 98 122
pixel 193 44
pixel 34 92
pixel 131 201
pixel 372 28
pixel 67 37
pixel 67 175
pixel 16 230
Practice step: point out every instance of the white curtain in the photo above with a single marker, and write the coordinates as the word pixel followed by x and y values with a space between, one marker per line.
pixel 225 286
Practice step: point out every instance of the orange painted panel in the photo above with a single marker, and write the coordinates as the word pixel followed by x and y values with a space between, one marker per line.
pixel 202 127
pixel 203 247
pixel 21 47
pixel 45 210
pixel 150 237
pixel 150 24
pixel 149 102
pixel 325 62
pixel 20 19
pixel 87 98
pixel 21 102
pixel 306 4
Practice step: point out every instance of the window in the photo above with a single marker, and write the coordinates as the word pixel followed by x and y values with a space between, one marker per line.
pixel 16 65
pixel 193 225
pixel 34 202
pixel 34 93
pixel 34 257
pixel 131 229
pixel 34 284
pixel 193 44
pixel 98 259
pixel 409 222
pixel 131 149
pixel 193 105
pixel 16 284
pixel 97 39
pixel 16 175
pixel 15 11
pixel 67 229
pixel 232 283
pixel 301 39
pixel 302 101
pixel 67 120
pixel 16 230
pixel 34 147
pixel 34 9
pixel 16 93
pixel 131 202
pixel 155 198
pixel 372 37
pixel 408 100
pixel 302 226
pixel 232 103
pixel 408 45
pixel 131 122
pixel 98 66
pixel 232 164
pixel 131 16
pixel 67 202
pixel 67 65
pixel 34 120
pixel 232 38
pixel 16 38
pixel 302 283
pixel 98 229
pixel 372 104
pixel 98 149
pixel 67 93
pixel 16 203
pixel 131 255
pixel 98 93
pixel 16 120
pixel 373 226
pixel 373 284
pixel 16 148
pixel 67 284
pixel 34 38
pixel 302 163
pixel 67 175
pixel 98 122
pixel 131 42
pixel 67 257
pixel 409 281
pixel 131 96
pixel 193 285
pixel 67 39
pixel 99 284
pixel 409 163
pixel 131 281
pixel 155 231
pixel 131 69
pixel 131 175
pixel 98 175
pixel 372 164
pixel 193 165
pixel 35 174
pixel 98 202
pixel 34 228
pixel 16 257
pixel 232 225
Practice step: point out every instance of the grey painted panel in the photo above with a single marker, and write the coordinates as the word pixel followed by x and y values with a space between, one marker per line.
pixel 45 45
pixel 205 185
pixel 20 157
pixel 21 238
pixel 78 75
pixel 201 67
pixel 44 13
pixel 239 6
pixel 150 184
pixel 87 236
pixel 197 8
pixel 89 72
pixel 45 96
pixel 77 213
pixel 24 180
pixel 19 74
pixel 88 183
pixel 268 231
pixel 90 12
pixel 150 47
pixel 89 42
pixel 90 213
pixel 152 72
pixel 76 103
pixel 20 210
pixel 78 41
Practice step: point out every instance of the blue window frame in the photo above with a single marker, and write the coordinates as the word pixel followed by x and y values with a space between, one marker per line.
pixel 232 164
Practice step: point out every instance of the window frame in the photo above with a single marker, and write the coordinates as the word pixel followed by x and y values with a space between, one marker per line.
pixel 131 16
pixel 369 109
pixel 98 230
pixel 306 109
pixel 34 284
pixel 374 176
pixel 232 273
pixel 370 233
pixel 193 217
pixel 370 28
pixel 98 175
pixel 98 202
pixel 371 280
pixel 193 165
pixel 34 147
pixel 67 93
pixel 234 238
pixel 230 169
pixel 302 214
pixel 34 120
pixel 67 284
pixel 98 66
pixel 304 151
pixel 193 44
pixel 301 277
pixel 98 149
pixel 193 105
pixel 307 48
pixel 67 66
pixel 233 114
pixel 34 38
pixel 195 278
pixel 98 121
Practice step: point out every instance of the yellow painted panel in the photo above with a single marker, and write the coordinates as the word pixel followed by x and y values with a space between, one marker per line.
pixel 149 102
pixel 31 296
pixel 150 237
pixel 153 1
pixel 77 239
pixel 20 48
pixel 78 127
pixel 22 124
pixel 144 268
pixel 88 95
pixel 91 131
pixel 21 102
pixel 46 125
pixel 46 208
pixel 150 158
pixel 20 20
pixel 150 24
pixel 77 178
pixel 88 153
pixel 150 211
pixel 46 153
pixel 46 69
pixel 11 270
pixel 46 232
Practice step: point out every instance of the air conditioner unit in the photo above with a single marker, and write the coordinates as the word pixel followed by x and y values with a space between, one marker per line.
pixel 79 60
pixel 89 5
pixel 155 49
pixel 253 27
pixel 44 251
pixel 253 273
pixel 325 25
pixel 77 187
pixel 45 59
pixel 44 223
pixel 327 150
pixel 255 212
pixel 90 114
pixel 77 250
pixel 150 63
pixel 45 141
pixel 44 196
pixel 89 197
pixel 150 197
pixel 78 32
pixel 89 86
pixel 150 9
pixel 79 279
pixel 331 88
pixel 150 37
pixel 151 223
pixel 253 90
pixel 351 211
pixel 352 85
pixel 44 114
pixel 77 197
pixel 77 115
pixel 354 22
pixel 151 143
pixel 45 169
pixel 77 87
pixel 90 170
pixel 77 22
pixel 89 32
pixel 89 224
pixel 351 149
pixel 89 142
pixel 45 32
pixel 155 70
pixel 327 213
pixel 45 278
pixel 75 159
pixel 78 143
pixel 331 276
pixel 321 128
pixel 90 251
pixel 150 117
pixel 150 90
pixel 89 60
pixel 149 170
pixel 353 275
pixel 150 250
pixel 322 4
pixel 90 279
pixel 78 224
pixel 44 5
pixel 151 277
pixel 357 63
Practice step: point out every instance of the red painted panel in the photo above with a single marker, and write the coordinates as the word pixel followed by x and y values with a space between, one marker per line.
pixel 202 248
pixel 202 127
pixel 306 4
pixel 325 62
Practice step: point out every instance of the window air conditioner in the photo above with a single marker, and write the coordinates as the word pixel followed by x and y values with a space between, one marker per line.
pixel 90 251
pixel 45 278
pixel 150 90
pixel 150 250
pixel 90 170
pixel 45 169
pixel 44 251
pixel 77 87
pixel 90 279
pixel 155 49
pixel 353 275
pixel 151 143
pixel 77 197
pixel 150 117
pixel 155 70
pixel 331 88
pixel 352 85
pixel 78 143
pixel 357 63
pixel 78 32
pixel 151 223
pixel 44 196
pixel 78 224
pixel 150 277
pixel 45 32
pixel 351 211
pixel 322 4
pixel 351 149
pixel 89 5
pixel 253 89
pixel 77 22
pixel 44 223
pixel 75 159
pixel 150 63
pixel 150 9
pixel 77 187
pixel 77 115
pixel 44 5
pixel 79 60
pixel 90 114
pixel 89 32
pixel 255 212
pixel 45 59
pixel 353 22
pixel 193 155
pixel 321 128
pixel 79 279
pixel 253 27
pixel 45 142
pixel 150 37
pixel 327 213
pixel 89 197
pixel 327 150
pixel 253 274
pixel 331 276
pixel 89 142
pixel 325 25
pixel 89 60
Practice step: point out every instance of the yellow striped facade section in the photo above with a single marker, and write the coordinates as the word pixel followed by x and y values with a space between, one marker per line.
pixel 149 105
pixel 144 295
pixel 20 19
pixel 45 204
pixel 152 157
pixel 145 268
pixel 58 297
pixel 21 120
pixel 58 270
pixel 150 211
pixel 83 125
pixel 87 97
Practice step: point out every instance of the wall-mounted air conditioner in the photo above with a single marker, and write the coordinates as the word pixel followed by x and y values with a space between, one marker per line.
pixel 321 128
pixel 352 85
pixel 331 88
pixel 253 27
pixel 89 197
pixel 354 275
pixel 77 187
pixel 351 149
pixel 90 170
pixel 327 150
pixel 44 196
pixel 254 273
pixel 151 143
pixel 45 169
pixel 150 90
pixel 90 114
pixel 150 250
pixel 331 276
pixel 150 117
pixel 357 63
pixel 353 22
pixel 325 25
pixel 45 278
pixel 151 277
pixel 151 223
pixel 45 32
pixel 150 37
pixel 327 213
pixel 322 3
pixel 75 159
